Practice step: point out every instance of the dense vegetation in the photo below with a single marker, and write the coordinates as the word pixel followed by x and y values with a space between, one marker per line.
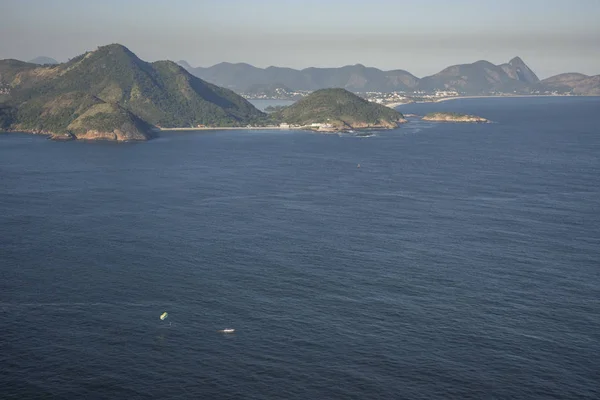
pixel 338 107
pixel 6 116
pixel 52 98
pixel 271 109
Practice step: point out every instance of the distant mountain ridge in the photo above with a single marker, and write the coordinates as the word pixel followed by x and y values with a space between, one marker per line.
pixel 478 78
pixel 574 83
pixel 481 77
pixel 109 93
pixel 43 60
pixel 241 77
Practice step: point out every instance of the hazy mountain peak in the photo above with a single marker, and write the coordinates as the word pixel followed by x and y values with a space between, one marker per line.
pixel 516 61
pixel 483 62
pixel 113 47
pixel 480 77
pixel 42 60
pixel 517 69
pixel 230 64
pixel 184 64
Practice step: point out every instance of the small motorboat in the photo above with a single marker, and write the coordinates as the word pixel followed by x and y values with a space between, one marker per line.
pixel 229 330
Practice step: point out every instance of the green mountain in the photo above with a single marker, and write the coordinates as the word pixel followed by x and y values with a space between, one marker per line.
pixel 75 115
pixel 184 64
pixel 517 69
pixel 340 109
pixel 111 93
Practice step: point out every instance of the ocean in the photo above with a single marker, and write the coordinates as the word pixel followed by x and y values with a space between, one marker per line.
pixel 261 104
pixel 434 261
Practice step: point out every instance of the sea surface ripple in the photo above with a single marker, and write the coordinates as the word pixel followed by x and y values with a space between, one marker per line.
pixel 456 262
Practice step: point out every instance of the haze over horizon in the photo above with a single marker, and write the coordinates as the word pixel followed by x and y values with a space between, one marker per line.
pixel 551 36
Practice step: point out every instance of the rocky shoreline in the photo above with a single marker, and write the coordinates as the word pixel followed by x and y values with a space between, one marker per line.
pixel 341 126
pixel 454 117
pixel 115 136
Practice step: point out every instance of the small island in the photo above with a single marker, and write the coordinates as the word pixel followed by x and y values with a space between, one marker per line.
pixel 453 117
pixel 335 110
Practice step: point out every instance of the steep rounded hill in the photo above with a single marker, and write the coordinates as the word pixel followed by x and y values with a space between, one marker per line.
pixel 339 108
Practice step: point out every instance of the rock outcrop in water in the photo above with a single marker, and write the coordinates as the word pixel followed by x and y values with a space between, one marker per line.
pixel 453 117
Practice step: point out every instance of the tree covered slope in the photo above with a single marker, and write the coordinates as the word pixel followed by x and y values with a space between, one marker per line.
pixel 339 108
pixel 112 89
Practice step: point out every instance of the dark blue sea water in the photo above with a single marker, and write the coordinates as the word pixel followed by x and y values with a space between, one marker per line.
pixel 458 262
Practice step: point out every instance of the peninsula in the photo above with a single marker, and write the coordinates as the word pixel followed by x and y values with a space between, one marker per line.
pixel 110 94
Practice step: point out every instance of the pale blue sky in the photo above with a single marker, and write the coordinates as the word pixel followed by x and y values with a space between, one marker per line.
pixel 422 37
